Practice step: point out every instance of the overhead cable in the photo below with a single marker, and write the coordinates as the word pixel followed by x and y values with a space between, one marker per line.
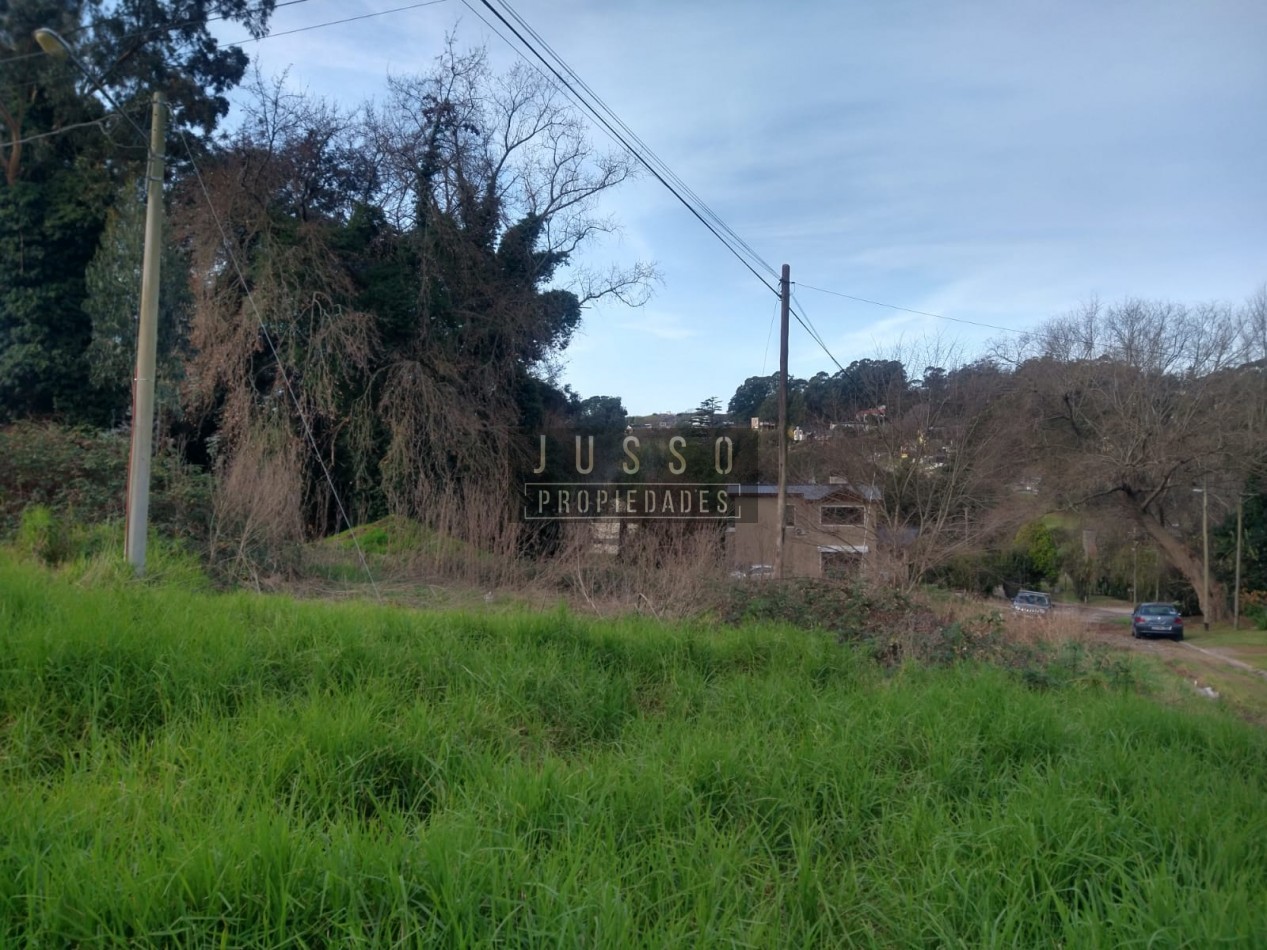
pixel 624 141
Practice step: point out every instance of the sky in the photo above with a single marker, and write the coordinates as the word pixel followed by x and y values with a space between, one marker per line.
pixel 994 162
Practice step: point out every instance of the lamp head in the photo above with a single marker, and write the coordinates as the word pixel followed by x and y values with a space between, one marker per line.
pixel 51 43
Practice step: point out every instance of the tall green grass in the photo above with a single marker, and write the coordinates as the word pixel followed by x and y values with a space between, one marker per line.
pixel 189 769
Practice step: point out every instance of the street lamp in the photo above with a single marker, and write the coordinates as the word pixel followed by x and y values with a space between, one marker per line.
pixel 1236 591
pixel 1205 549
pixel 1205 556
pixel 138 499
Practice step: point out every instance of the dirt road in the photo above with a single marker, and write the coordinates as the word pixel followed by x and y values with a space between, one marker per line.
pixel 1105 623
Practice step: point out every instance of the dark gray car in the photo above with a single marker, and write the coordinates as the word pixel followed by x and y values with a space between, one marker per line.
pixel 1156 620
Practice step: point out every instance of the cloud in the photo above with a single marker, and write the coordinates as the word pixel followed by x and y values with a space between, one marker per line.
pixel 662 326
pixel 997 162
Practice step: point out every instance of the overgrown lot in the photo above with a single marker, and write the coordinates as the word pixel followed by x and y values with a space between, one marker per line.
pixel 191 769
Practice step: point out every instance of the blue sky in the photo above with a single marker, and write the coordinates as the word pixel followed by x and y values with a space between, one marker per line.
pixel 1000 162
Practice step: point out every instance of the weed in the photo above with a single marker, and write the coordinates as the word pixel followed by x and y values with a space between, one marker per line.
pixel 193 769
pixel 81 477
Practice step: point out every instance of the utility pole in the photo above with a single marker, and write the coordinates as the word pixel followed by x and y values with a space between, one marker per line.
pixel 1236 591
pixel 1205 556
pixel 780 509
pixel 138 497
pixel 1135 569
pixel 138 505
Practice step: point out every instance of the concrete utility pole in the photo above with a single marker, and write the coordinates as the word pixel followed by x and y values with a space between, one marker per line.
pixel 1236 591
pixel 1205 555
pixel 138 506
pixel 1135 569
pixel 138 497
pixel 785 293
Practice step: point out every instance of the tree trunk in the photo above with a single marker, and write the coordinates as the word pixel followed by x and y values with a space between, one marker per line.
pixel 1188 562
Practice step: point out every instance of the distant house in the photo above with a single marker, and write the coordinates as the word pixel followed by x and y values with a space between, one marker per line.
pixel 829 530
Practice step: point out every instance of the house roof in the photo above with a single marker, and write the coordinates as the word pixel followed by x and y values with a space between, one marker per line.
pixel 811 492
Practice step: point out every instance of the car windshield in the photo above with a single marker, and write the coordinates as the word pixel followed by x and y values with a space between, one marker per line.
pixel 1036 599
pixel 1157 610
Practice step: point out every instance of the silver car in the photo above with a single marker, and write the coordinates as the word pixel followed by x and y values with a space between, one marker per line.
pixel 1032 602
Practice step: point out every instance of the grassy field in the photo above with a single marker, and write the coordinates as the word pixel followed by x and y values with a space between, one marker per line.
pixel 194 769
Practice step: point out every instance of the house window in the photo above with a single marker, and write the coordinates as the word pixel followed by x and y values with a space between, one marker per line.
pixel 839 565
pixel 840 515
pixel 789 516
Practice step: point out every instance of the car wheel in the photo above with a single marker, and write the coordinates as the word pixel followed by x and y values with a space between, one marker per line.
pixel 1134 633
pixel 1177 637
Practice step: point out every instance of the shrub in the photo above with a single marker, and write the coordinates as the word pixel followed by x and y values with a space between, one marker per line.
pixel 80 476
pixel 856 612
pixel 65 470
pixel 895 629
pixel 42 535
pixel 1254 606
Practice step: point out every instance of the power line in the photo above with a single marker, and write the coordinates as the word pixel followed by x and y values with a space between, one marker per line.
pixel 601 112
pixel 100 123
pixel 765 360
pixel 662 173
pixel 597 108
pixel 294 398
pixel 318 26
pixel 641 144
pixel 303 29
pixel 623 140
pixel 814 334
pixel 922 313
pixel 152 31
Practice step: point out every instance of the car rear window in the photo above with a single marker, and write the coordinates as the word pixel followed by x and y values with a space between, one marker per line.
pixel 1158 610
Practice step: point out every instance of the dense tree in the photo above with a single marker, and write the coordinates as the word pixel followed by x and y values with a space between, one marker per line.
pixel 863 384
pixel 1038 543
pixel 601 412
pixel 65 154
pixel 1253 539
pixel 939 469
pixel 752 392
pixel 825 398
pixel 416 303
pixel 796 411
pixel 1136 405
pixel 944 462
pixel 112 303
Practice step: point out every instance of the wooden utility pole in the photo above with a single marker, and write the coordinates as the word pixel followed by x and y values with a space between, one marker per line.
pixel 785 293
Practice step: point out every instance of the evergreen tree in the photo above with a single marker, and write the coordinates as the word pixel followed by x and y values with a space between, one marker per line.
pixel 65 154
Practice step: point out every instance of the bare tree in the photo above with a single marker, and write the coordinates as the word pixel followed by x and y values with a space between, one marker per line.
pixel 494 186
pixel 405 298
pixel 941 459
pixel 1133 404
pixel 276 336
pixel 1251 380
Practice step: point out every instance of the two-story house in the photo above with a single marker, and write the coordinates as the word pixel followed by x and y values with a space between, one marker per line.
pixel 830 530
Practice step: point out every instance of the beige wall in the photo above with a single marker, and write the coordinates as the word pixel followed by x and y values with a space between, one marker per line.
pixel 753 543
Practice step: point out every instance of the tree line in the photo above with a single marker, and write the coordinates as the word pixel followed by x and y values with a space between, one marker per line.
pixel 366 304
pixel 1132 417
pixel 360 305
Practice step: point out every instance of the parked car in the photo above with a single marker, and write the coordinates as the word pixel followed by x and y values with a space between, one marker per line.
pixel 757 572
pixel 1156 620
pixel 1032 603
